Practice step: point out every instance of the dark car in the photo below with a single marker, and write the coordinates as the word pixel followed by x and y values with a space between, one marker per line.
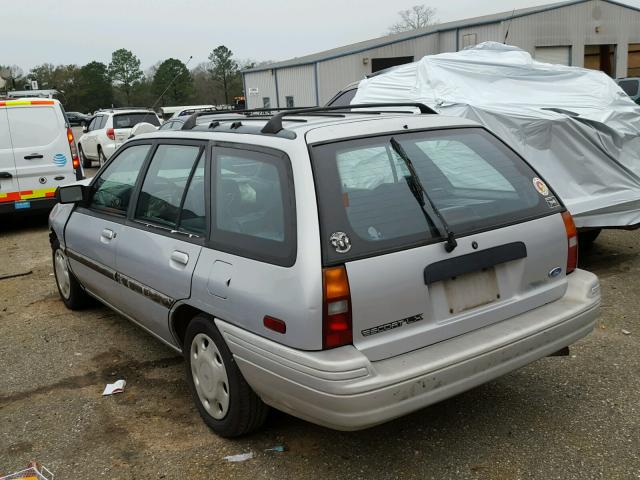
pixel 77 118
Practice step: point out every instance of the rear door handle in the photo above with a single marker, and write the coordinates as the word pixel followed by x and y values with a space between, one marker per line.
pixel 33 155
pixel 5 175
pixel 108 234
pixel 180 257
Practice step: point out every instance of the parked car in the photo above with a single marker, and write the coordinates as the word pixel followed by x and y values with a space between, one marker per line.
pixel 37 154
pixel 346 269
pixel 631 87
pixel 77 118
pixel 108 130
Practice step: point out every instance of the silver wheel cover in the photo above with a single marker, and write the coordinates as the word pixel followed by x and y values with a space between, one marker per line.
pixel 209 376
pixel 61 269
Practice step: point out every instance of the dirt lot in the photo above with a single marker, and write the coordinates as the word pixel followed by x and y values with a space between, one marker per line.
pixel 570 417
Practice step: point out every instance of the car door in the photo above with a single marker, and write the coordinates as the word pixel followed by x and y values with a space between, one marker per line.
pixel 9 188
pixel 160 244
pixel 93 231
pixel 89 146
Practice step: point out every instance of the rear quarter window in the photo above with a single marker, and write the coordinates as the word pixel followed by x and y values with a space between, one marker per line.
pixel 475 181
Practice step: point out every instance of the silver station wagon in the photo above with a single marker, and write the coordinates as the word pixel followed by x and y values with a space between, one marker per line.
pixel 345 266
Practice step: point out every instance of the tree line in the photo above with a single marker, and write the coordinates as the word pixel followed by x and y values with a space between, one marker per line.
pixel 122 83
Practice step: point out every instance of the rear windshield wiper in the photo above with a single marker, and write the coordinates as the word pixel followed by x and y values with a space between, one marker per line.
pixel 420 193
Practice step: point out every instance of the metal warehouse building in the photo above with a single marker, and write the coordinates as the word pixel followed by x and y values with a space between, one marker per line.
pixel 599 34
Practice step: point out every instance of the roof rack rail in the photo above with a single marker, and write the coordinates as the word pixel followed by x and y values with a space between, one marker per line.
pixel 274 125
pixel 191 121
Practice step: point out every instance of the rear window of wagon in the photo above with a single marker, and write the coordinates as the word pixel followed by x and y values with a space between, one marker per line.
pixel 474 179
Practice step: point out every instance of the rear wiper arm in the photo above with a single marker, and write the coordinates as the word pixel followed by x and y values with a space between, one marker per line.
pixel 420 193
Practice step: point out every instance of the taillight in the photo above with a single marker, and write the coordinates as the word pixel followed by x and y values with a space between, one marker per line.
pixel 72 146
pixel 572 242
pixel 336 308
pixel 111 133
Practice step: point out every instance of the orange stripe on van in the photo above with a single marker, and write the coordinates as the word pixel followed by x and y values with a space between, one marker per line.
pixel 27 195
pixel 14 103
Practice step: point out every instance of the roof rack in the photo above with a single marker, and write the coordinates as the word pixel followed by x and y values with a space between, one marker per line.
pixel 262 112
pixel 275 124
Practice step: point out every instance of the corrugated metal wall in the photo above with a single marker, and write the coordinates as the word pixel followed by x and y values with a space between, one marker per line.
pixel 574 26
pixel 334 74
pixel 265 83
pixel 299 83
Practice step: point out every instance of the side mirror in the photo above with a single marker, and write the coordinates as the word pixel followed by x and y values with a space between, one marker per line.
pixel 72 194
pixel 85 128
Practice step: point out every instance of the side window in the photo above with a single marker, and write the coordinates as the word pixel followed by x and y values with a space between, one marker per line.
pixel 253 206
pixel 177 125
pixel 102 123
pixel 112 190
pixel 192 216
pixel 167 126
pixel 165 184
pixel 92 124
pixel 343 99
pixel 266 102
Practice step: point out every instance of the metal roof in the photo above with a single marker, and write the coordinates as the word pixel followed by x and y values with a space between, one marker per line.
pixel 400 37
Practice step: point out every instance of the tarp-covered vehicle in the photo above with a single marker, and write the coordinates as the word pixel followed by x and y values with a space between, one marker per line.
pixel 575 126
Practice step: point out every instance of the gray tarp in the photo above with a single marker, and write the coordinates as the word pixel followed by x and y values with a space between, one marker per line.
pixel 587 147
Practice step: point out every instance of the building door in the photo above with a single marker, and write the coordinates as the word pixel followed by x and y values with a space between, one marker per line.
pixel 601 57
pixel 633 61
pixel 378 64
pixel 555 55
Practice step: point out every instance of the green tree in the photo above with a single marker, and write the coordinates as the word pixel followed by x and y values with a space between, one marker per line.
pixel 63 78
pixel 173 76
pixel 94 87
pixel 125 72
pixel 224 69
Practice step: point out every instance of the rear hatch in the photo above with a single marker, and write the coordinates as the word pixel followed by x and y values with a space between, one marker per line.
pixel 407 291
pixel 43 159
pixel 124 122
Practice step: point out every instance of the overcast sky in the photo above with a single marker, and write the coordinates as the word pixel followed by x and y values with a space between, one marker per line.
pixel 79 31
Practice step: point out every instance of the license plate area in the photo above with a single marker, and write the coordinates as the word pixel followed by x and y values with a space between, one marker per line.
pixel 471 290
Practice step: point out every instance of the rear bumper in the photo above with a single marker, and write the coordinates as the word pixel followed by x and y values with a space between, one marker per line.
pixel 36 205
pixel 342 389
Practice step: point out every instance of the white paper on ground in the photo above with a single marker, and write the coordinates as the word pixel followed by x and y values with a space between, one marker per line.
pixel 116 387
pixel 240 457
pixel 574 126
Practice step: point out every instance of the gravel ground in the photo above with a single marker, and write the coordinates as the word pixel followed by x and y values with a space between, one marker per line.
pixel 563 417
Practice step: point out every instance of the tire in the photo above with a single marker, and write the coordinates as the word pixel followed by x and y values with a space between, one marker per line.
pixel 224 399
pixel 86 163
pixel 71 293
pixel 101 158
pixel 588 237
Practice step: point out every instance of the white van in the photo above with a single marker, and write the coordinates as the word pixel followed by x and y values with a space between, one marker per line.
pixel 37 154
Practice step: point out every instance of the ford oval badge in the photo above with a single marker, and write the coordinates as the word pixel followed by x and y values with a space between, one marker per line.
pixel 555 272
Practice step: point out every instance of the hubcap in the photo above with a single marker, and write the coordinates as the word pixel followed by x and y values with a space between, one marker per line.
pixel 62 274
pixel 209 376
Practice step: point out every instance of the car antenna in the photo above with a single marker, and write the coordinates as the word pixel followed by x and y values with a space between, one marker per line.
pixel 506 35
pixel 167 88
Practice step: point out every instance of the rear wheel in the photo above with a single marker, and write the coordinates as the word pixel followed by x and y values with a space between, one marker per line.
pixel 588 237
pixel 101 158
pixel 72 294
pixel 86 163
pixel 224 399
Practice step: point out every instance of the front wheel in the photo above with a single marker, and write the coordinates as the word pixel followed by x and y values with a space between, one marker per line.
pixel 72 294
pixel 101 158
pixel 224 399
pixel 86 163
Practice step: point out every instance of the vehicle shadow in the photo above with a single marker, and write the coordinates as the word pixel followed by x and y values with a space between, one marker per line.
pixel 18 223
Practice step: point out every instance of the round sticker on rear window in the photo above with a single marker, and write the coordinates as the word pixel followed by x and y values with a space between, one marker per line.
pixel 540 187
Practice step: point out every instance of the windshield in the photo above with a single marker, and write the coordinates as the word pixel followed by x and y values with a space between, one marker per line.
pixel 130 120
pixel 474 180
